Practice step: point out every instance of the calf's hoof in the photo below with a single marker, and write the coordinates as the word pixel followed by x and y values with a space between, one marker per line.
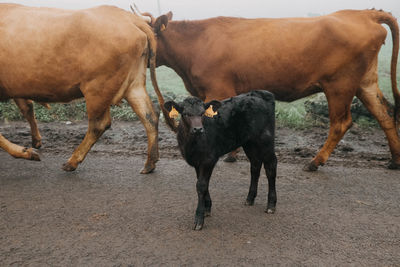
pixel 207 213
pixel 310 167
pixel 198 223
pixel 230 158
pixel 249 202
pixel 393 165
pixel 68 167
pixel 270 210
pixel 197 227
pixel 148 168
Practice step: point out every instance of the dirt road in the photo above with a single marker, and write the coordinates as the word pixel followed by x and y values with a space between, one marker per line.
pixel 107 214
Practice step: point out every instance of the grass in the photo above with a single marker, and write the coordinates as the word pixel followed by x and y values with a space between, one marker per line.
pixel 288 114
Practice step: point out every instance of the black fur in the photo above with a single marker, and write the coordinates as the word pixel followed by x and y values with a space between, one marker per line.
pixel 247 121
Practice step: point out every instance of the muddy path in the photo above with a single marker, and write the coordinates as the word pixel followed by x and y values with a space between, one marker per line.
pixel 107 214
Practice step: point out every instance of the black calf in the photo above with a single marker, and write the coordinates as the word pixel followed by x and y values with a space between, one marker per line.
pixel 209 130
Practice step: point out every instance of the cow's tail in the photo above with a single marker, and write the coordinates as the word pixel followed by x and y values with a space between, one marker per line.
pixel 152 64
pixel 388 19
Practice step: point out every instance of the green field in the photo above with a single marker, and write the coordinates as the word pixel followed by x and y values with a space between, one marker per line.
pixel 289 114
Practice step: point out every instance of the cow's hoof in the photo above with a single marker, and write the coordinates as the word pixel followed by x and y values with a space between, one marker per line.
pixel 230 158
pixel 207 213
pixel 33 155
pixel 393 165
pixel 148 169
pixel 68 167
pixel 249 202
pixel 270 210
pixel 310 167
pixel 37 144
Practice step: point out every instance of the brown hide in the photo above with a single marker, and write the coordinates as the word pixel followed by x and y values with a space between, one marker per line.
pixel 101 54
pixel 291 57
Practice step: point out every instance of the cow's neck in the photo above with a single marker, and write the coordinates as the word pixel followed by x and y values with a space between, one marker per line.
pixel 176 47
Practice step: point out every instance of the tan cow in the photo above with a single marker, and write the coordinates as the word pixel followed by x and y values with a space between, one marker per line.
pixel 101 54
pixel 293 58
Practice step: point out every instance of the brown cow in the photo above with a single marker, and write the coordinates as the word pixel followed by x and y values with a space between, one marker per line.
pixel 293 58
pixel 101 54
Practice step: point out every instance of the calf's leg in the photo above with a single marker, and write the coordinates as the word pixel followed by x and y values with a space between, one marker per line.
pixel 203 179
pixel 252 152
pixel 270 165
pixel 255 175
pixel 207 199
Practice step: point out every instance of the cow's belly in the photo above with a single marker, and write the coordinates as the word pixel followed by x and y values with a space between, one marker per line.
pixel 43 94
pixel 282 92
pixel 292 94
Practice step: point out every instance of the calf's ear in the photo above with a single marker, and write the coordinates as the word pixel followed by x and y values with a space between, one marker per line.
pixel 211 108
pixel 173 108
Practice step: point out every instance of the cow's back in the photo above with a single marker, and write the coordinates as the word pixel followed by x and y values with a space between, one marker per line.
pixel 55 49
pixel 287 56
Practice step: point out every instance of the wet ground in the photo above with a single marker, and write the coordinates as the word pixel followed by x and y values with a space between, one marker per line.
pixel 107 214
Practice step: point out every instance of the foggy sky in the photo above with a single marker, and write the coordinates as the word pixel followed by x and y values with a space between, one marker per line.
pixel 198 9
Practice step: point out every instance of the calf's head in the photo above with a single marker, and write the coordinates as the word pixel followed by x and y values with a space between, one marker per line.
pixel 192 111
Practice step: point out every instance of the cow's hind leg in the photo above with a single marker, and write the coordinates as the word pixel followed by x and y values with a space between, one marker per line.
pixel 18 151
pixel 26 108
pixel 99 121
pixel 140 102
pixel 232 156
pixel 339 102
pixel 374 101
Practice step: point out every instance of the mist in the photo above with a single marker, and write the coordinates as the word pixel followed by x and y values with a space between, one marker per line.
pixel 194 9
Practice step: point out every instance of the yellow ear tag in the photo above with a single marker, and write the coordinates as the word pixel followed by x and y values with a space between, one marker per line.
pixel 173 114
pixel 162 27
pixel 210 112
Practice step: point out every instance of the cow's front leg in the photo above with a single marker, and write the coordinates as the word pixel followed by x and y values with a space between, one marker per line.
pixel 18 151
pixel 97 126
pixel 204 199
